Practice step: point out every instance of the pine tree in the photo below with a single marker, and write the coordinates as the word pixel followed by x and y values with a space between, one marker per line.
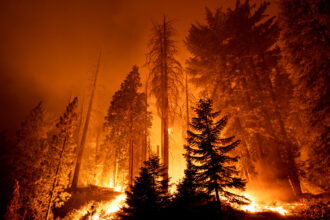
pixel 58 163
pixel 305 34
pixel 147 196
pixel 30 147
pixel 215 169
pixel 166 80
pixel 189 197
pixel 234 59
pixel 126 123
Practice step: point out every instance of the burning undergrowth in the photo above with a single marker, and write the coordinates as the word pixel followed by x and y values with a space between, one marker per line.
pixel 87 199
pixel 98 210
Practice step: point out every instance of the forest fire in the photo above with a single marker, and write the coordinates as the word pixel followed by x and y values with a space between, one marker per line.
pixel 259 207
pixel 215 115
pixel 106 210
pixel 99 210
pixel 284 208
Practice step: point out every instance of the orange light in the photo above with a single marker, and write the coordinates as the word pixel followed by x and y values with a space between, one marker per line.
pixel 255 207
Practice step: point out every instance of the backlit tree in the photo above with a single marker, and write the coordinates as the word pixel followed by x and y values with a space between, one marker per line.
pixel 215 168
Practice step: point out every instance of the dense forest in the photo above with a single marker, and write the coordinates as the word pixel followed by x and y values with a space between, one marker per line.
pixel 246 110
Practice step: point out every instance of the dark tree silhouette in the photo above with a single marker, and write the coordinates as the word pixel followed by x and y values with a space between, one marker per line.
pixel 147 196
pixel 190 200
pixel 188 189
pixel 307 57
pixel 234 58
pixel 215 169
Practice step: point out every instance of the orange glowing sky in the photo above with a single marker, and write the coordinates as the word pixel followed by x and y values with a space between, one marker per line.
pixel 49 49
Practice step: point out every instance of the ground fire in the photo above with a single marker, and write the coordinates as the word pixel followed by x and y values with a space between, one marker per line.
pixel 167 109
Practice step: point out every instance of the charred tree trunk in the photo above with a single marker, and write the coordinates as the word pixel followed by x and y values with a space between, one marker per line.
pixel 130 151
pixel 145 144
pixel 84 135
pixel 130 166
pixel 217 196
pixel 257 142
pixel 187 103
pixel 165 141
pixel 292 172
pixel 288 145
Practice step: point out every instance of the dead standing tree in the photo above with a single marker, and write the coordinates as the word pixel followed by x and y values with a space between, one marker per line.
pixel 84 134
pixel 166 80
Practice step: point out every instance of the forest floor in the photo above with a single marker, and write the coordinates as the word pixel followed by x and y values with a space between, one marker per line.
pixel 93 195
pixel 83 196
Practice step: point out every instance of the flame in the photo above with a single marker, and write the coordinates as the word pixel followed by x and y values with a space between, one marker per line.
pixel 101 210
pixel 116 204
pixel 118 189
pixel 106 210
pixel 255 207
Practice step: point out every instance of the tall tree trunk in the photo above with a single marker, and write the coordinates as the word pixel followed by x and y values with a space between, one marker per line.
pixel 145 144
pixel 187 103
pixel 288 145
pixel 247 168
pixel 292 172
pixel 130 166
pixel 84 135
pixel 157 151
pixel 165 141
pixel 130 151
pixel 218 197
pixel 114 173
pixel 257 142
pixel 96 153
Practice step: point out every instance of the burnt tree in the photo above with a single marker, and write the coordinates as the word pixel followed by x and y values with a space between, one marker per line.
pixel 166 80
